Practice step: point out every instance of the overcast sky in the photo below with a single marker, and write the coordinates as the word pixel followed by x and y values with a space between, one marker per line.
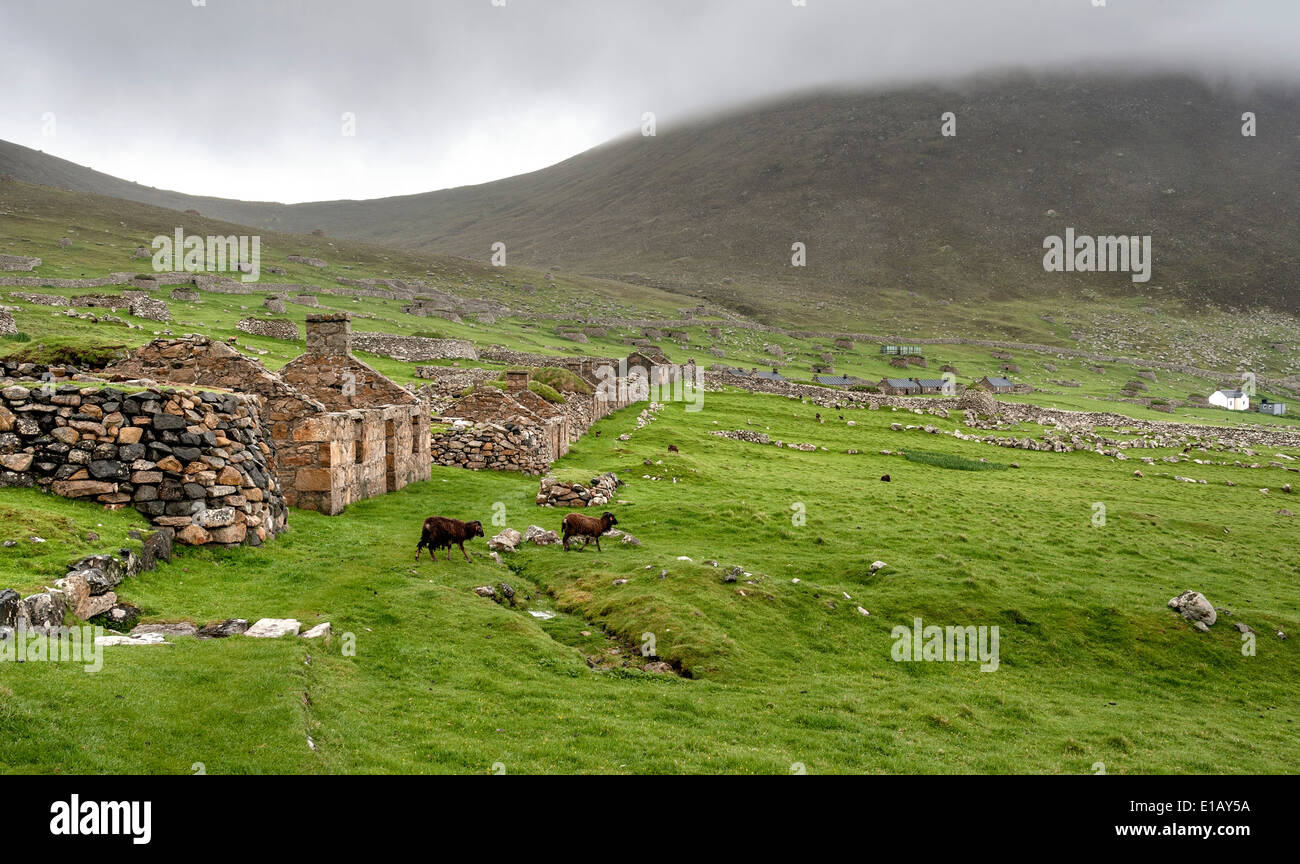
pixel 245 99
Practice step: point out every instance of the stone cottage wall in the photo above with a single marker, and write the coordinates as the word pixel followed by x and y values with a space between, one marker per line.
pixel 508 446
pixel 335 459
pixel 329 373
pixel 315 449
pixel 194 462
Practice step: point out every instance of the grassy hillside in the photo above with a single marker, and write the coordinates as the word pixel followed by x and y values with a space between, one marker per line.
pixel 783 667
pixel 893 213
pixel 546 307
pixel 775 670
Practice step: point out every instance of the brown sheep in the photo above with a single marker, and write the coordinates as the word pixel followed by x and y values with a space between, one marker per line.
pixel 586 527
pixel 440 532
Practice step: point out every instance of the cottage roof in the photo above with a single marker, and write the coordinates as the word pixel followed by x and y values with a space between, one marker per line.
pixel 999 381
pixel 838 380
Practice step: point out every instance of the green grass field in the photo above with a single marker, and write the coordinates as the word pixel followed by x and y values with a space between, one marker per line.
pixel 776 669
pixel 1093 666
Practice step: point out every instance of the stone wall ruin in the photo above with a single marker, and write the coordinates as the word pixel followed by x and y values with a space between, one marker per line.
pixel 272 328
pixel 196 462
pixel 341 431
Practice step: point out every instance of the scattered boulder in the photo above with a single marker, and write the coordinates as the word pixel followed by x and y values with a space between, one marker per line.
pixel 176 628
pixel 119 639
pixel 10 607
pixel 599 492
pixel 81 601
pixel 223 629
pixel 1193 606
pixel 540 536
pixel 120 616
pixel 274 628
pixel 43 610
pixel 506 540
pixel 320 631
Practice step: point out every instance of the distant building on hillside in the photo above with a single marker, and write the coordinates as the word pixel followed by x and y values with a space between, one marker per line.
pixel 839 380
pixel 996 384
pixel 1267 406
pixel 930 385
pixel 769 376
pixel 900 386
pixel 1233 400
pixel 901 349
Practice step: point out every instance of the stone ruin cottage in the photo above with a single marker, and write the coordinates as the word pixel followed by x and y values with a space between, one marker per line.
pixel 507 429
pixel 514 429
pixel 338 430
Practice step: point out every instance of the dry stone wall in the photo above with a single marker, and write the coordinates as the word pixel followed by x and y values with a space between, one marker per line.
pixel 18 262
pixel 414 349
pixel 497 354
pixel 196 462
pixel 274 328
pixel 520 445
pixel 40 299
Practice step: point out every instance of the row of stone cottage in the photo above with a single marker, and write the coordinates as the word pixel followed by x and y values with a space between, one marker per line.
pixel 511 428
pixel 323 432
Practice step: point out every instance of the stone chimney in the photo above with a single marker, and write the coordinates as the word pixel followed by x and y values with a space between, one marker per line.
pixel 329 334
pixel 517 379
